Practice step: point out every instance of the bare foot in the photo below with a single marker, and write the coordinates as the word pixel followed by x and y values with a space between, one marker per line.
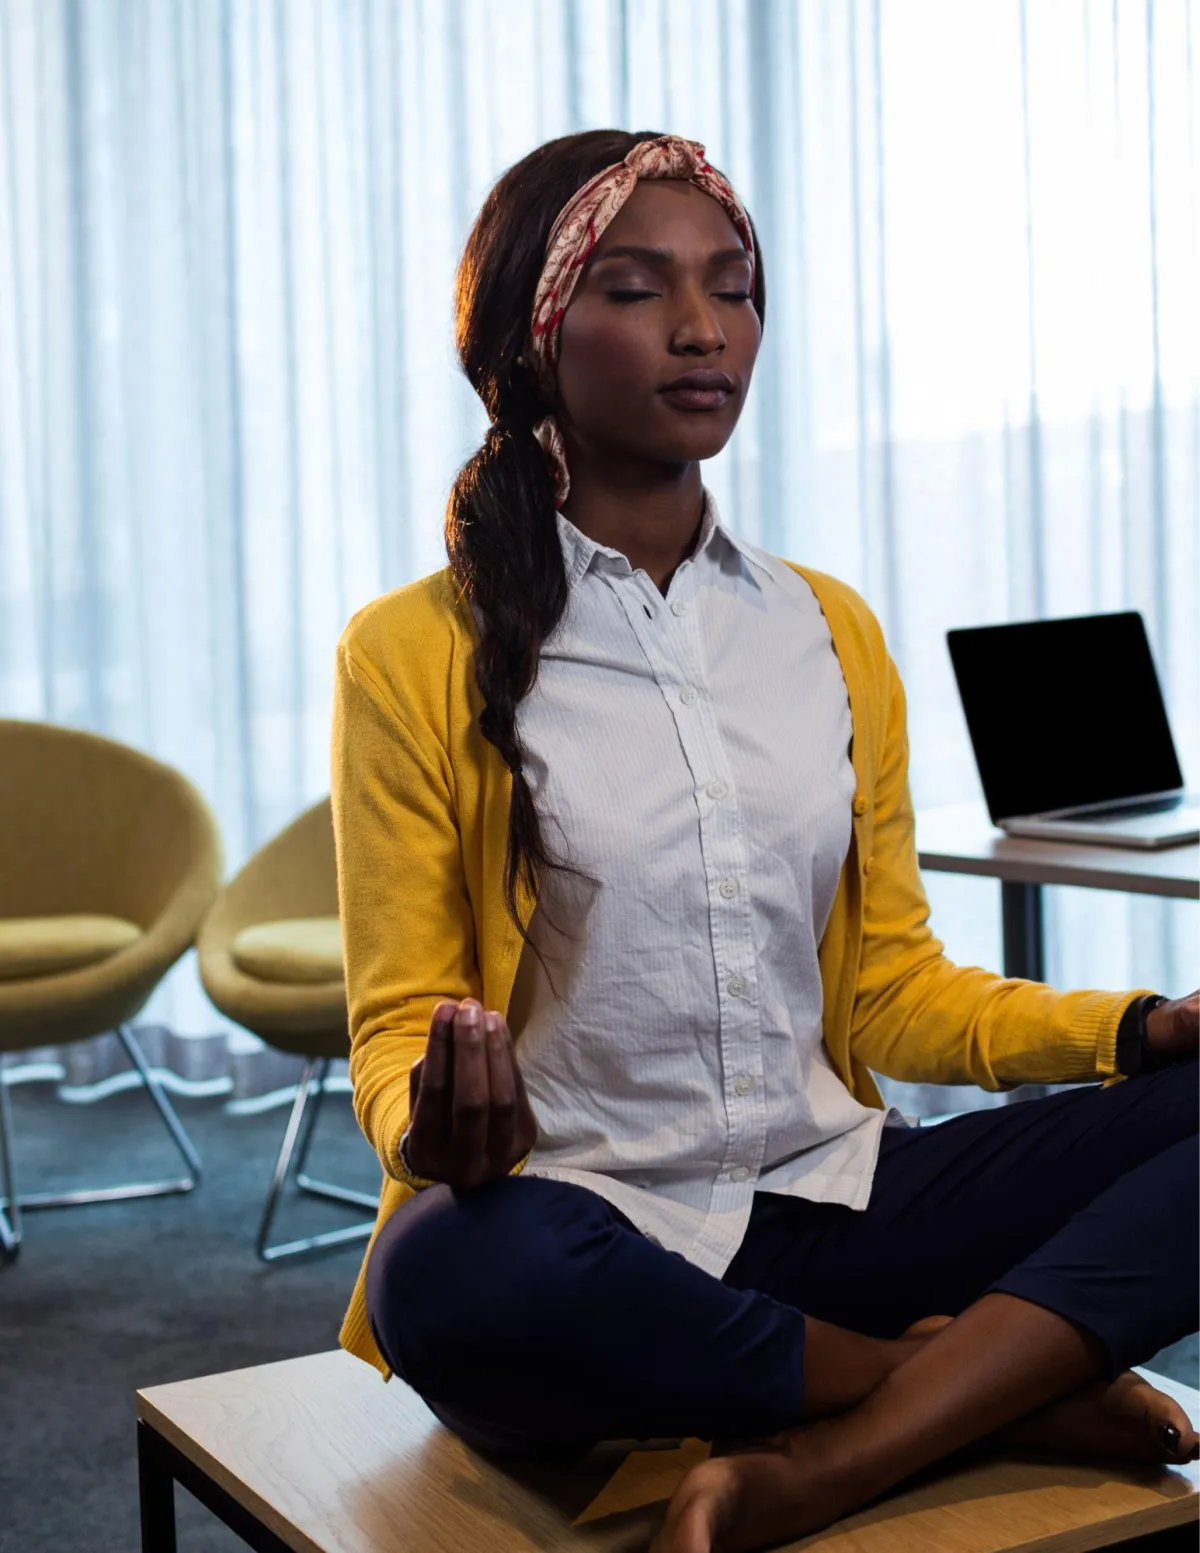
pixel 752 1492
pixel 1121 1418
pixel 731 1504
pixel 764 1491
pixel 1125 1418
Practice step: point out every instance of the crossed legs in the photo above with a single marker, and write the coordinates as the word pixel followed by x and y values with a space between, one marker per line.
pixel 1059 1234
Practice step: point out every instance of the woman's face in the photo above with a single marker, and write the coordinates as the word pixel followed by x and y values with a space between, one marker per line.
pixel 637 321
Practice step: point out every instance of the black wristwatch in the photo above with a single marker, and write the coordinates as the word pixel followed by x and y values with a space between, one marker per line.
pixel 1133 1054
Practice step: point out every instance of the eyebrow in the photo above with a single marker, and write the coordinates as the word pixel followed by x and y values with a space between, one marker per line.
pixel 664 256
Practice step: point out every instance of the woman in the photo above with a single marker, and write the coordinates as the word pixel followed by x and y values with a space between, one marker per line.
pixel 631 909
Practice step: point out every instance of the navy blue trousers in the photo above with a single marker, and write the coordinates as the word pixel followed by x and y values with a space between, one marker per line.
pixel 533 1317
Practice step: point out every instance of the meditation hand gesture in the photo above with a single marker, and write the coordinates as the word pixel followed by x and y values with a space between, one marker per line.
pixel 470 1120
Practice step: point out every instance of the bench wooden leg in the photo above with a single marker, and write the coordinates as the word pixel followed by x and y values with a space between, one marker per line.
pixel 160 1467
pixel 156 1489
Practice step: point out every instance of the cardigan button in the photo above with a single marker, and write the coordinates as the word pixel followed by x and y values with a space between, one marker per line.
pixel 860 804
pixel 868 865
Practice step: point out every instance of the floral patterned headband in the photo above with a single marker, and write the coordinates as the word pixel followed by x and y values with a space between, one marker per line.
pixel 576 232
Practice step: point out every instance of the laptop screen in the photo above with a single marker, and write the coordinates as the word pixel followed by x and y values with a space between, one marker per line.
pixel 1064 712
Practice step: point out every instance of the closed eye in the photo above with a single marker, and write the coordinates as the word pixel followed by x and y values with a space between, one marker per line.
pixel 634 296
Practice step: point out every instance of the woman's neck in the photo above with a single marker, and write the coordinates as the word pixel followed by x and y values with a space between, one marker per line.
pixel 655 526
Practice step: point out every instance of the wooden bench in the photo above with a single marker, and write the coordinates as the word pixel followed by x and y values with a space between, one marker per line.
pixel 317 1455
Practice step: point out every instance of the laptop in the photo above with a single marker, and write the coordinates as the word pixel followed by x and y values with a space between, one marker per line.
pixel 1070 733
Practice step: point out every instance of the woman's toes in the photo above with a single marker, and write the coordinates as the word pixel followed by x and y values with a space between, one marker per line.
pixel 1153 1413
pixel 1125 1418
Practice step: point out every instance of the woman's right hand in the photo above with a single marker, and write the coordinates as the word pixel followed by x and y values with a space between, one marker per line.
pixel 470 1120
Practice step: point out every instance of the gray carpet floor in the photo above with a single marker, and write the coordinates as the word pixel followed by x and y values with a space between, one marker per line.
pixel 104 1299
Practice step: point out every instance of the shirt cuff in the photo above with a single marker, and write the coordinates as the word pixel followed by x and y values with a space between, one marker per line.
pixel 406 1175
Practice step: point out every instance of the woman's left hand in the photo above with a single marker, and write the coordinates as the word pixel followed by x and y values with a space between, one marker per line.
pixel 1173 1028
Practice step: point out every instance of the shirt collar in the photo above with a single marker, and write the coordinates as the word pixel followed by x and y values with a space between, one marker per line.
pixel 580 553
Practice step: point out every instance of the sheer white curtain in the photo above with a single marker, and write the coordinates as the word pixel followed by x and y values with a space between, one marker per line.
pixel 230 413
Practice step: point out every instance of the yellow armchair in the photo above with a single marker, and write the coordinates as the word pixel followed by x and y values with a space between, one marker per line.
pixel 270 959
pixel 108 861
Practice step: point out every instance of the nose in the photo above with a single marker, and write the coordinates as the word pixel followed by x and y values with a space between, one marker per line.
pixel 695 327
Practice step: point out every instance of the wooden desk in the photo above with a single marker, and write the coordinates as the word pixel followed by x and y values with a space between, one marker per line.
pixel 961 839
pixel 317 1455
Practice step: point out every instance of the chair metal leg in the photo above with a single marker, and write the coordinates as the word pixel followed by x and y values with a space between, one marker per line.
pixel 10 1220
pixel 300 1129
pixel 185 1183
pixel 326 1189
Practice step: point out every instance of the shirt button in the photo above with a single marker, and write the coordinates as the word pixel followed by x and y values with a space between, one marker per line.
pixel 735 986
pixel 729 888
pixel 678 607
pixel 688 695
pixel 717 789
pixel 860 804
pixel 739 1173
pixel 743 1084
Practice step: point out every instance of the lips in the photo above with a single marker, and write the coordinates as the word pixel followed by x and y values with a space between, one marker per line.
pixel 703 389
pixel 702 377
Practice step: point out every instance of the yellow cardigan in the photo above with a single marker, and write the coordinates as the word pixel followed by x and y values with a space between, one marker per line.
pixel 420 813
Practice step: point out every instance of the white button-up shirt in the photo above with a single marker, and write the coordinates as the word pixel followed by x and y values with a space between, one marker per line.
pixel 692 753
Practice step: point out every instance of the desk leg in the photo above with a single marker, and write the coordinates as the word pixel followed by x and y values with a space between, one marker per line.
pixel 1024 953
pixel 156 1487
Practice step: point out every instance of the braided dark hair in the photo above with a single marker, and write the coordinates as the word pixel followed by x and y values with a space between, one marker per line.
pixel 501 530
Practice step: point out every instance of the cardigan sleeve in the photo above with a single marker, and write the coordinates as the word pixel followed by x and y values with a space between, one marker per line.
pixel 920 1018
pixel 407 928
